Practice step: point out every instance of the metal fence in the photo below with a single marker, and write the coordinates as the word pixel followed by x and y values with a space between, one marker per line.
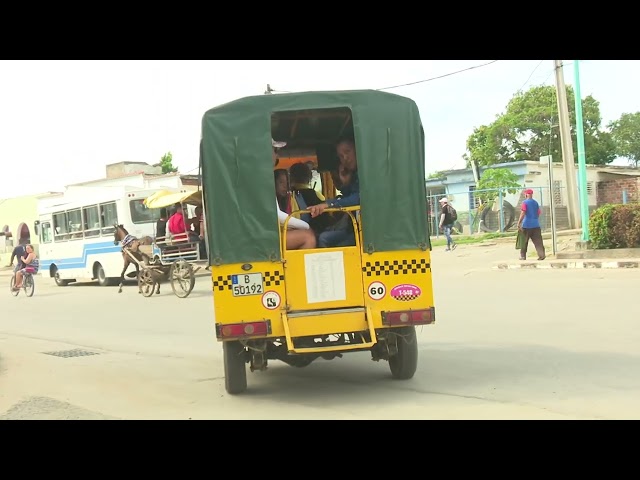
pixel 498 210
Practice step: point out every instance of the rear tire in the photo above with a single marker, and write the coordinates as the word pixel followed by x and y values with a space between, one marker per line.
pixel 103 281
pixel 235 370
pixel 29 285
pixel 404 364
pixel 56 276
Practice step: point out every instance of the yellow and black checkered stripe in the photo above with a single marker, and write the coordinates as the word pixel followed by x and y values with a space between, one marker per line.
pixel 396 267
pixel 269 279
pixel 221 283
pixel 406 298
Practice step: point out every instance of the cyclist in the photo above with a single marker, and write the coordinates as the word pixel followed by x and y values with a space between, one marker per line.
pixel 31 265
pixel 18 252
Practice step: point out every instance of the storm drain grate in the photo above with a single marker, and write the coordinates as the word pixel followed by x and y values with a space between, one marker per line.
pixel 76 352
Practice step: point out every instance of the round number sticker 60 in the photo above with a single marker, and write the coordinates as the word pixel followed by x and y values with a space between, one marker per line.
pixel 377 290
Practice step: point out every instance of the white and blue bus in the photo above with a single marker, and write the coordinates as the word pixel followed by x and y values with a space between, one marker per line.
pixel 76 231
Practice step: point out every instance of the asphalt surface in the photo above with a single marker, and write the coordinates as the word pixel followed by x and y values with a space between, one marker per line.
pixel 507 344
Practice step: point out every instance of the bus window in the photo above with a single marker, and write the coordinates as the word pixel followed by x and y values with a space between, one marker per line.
pixel 45 232
pixel 74 218
pixel 108 217
pixel 61 226
pixel 141 214
pixel 91 219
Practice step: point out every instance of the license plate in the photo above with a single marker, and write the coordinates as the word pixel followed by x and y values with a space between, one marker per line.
pixel 247 284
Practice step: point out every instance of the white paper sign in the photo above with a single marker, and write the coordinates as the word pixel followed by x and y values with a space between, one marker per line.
pixel 325 277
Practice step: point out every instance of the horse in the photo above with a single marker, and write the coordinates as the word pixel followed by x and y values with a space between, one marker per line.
pixel 130 248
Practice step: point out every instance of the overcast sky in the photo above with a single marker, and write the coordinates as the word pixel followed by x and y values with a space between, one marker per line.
pixel 61 122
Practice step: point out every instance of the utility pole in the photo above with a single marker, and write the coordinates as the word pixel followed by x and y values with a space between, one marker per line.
pixel 567 148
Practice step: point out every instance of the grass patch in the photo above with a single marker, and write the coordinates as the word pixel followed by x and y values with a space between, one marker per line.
pixel 467 239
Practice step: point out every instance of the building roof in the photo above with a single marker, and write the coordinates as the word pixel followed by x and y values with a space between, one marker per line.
pixel 134 174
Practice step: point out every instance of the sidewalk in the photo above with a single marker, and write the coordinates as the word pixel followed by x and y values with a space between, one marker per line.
pixel 568 257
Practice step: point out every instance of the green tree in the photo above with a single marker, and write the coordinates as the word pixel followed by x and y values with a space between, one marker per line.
pixel 166 162
pixel 626 136
pixel 437 174
pixel 493 179
pixel 528 129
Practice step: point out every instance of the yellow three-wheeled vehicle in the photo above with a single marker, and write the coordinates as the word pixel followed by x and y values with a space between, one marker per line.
pixel 307 266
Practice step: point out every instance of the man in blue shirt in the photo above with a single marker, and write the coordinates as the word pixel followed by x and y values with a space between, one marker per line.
pixel 343 234
pixel 18 252
pixel 529 224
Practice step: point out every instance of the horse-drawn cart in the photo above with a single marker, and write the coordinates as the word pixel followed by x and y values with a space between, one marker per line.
pixel 174 257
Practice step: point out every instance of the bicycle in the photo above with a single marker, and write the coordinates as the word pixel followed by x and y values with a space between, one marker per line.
pixel 28 285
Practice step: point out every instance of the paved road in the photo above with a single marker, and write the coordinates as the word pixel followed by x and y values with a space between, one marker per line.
pixel 515 344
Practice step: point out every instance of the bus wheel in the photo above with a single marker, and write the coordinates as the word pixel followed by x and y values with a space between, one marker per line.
pixel 56 276
pixel 404 363
pixel 235 370
pixel 98 272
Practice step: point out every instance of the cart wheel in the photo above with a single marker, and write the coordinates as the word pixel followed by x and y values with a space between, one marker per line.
pixel 182 278
pixel 29 285
pixel 12 284
pixel 403 364
pixel 146 283
pixel 235 370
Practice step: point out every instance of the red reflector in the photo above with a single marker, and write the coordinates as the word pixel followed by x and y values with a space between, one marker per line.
pixel 409 317
pixel 243 329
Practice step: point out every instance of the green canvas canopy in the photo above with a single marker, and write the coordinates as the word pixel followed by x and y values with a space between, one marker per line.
pixel 237 167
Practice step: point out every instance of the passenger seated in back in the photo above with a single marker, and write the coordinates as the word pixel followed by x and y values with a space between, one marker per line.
pixel 350 189
pixel 303 197
pixel 177 226
pixel 281 179
pixel 161 225
pixel 299 234
pixel 340 234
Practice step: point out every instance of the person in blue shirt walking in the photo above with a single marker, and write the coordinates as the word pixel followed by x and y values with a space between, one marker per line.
pixel 529 224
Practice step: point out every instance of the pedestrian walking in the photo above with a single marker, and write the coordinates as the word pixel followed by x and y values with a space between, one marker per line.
pixel 529 225
pixel 447 219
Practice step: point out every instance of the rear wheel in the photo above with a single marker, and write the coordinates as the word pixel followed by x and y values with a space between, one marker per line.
pixel 56 276
pixel 235 370
pixel 182 277
pixel 29 285
pixel 103 281
pixel 403 364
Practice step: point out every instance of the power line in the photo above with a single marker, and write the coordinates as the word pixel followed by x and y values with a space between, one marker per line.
pixel 440 76
pixel 530 75
pixel 271 90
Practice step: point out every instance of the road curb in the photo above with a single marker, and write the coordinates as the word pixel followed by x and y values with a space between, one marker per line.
pixel 564 264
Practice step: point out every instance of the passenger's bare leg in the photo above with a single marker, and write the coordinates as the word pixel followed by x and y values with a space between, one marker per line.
pixel 300 239
pixel 18 283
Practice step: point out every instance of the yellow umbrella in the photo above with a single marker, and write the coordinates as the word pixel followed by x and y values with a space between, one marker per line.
pixel 165 198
